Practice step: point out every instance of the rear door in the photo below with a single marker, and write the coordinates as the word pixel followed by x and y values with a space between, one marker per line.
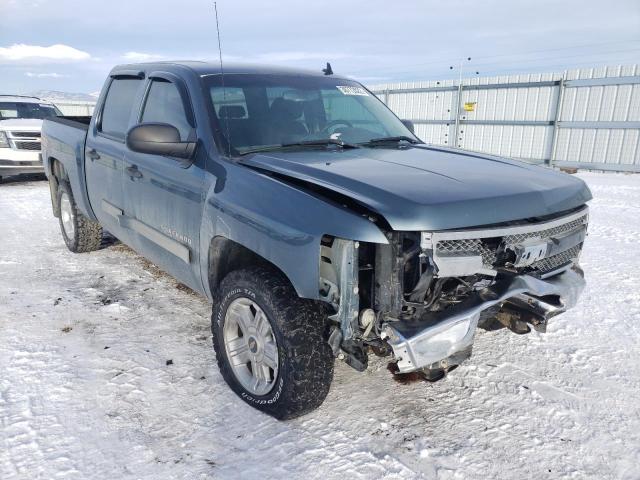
pixel 163 195
pixel 105 150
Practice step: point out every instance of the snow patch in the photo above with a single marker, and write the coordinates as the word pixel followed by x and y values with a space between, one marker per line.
pixel 108 372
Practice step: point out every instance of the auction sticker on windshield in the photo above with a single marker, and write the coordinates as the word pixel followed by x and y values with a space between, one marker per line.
pixel 348 90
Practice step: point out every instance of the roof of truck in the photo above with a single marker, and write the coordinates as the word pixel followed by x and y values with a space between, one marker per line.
pixel 213 68
pixel 21 98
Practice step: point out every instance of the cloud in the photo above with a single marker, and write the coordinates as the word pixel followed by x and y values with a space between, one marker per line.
pixel 141 57
pixel 45 75
pixel 57 52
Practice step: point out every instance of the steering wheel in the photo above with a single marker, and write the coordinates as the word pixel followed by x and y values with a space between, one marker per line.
pixel 333 123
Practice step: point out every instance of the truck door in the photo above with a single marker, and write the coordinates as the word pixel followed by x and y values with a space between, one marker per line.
pixel 163 195
pixel 105 149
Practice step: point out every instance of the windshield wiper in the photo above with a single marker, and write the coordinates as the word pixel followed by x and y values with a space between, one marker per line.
pixel 322 142
pixel 305 143
pixel 398 139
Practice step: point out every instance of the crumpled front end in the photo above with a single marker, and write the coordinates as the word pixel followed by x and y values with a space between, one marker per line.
pixel 434 341
pixel 422 296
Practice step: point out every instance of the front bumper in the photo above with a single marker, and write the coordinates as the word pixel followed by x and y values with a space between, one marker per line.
pixel 16 162
pixel 425 343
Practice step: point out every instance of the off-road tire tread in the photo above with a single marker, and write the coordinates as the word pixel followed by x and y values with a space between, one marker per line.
pixel 302 324
pixel 88 233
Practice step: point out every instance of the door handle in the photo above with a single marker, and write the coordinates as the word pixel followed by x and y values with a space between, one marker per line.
pixel 134 172
pixel 93 154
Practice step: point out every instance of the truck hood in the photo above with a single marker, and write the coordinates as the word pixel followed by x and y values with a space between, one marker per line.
pixel 21 124
pixel 424 188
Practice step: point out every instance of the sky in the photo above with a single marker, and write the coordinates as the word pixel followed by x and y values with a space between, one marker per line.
pixel 70 45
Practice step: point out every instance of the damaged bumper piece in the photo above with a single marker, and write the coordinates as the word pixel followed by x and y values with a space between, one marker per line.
pixel 435 339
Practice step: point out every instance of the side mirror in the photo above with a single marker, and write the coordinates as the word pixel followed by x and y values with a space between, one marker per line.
pixel 409 125
pixel 159 139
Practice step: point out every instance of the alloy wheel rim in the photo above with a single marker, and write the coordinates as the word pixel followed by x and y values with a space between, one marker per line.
pixel 251 346
pixel 66 214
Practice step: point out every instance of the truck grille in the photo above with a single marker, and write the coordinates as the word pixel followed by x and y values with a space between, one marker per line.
pixel 550 232
pixel 465 248
pixel 492 244
pixel 28 146
pixel 25 140
pixel 556 261
pixel 25 134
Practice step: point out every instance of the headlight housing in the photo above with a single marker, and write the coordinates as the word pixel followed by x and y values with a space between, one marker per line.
pixel 4 141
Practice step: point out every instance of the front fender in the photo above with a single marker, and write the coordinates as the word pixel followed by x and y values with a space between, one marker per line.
pixel 280 222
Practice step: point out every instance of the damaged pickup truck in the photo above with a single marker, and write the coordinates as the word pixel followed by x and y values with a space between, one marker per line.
pixel 316 222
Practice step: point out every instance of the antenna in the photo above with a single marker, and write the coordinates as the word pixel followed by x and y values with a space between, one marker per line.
pixel 224 90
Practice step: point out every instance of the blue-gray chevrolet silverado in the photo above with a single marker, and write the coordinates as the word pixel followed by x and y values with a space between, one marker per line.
pixel 315 220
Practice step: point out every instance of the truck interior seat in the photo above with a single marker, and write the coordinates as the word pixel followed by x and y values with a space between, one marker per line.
pixel 285 123
pixel 243 130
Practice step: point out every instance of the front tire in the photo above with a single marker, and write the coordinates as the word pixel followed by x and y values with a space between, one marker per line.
pixel 270 344
pixel 80 234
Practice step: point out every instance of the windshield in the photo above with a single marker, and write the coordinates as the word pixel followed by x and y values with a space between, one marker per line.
pixel 255 112
pixel 9 110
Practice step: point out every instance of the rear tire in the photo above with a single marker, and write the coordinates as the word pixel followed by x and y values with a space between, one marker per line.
pixel 298 380
pixel 80 234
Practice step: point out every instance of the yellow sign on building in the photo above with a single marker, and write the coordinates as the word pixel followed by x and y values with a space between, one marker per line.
pixel 469 106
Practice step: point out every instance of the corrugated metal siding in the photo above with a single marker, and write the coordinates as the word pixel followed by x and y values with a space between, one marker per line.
pixel 76 108
pixel 511 108
pixel 510 105
pixel 516 141
pixel 607 103
pixel 435 105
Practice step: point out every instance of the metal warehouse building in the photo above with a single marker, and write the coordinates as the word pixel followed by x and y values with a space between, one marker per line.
pixel 584 118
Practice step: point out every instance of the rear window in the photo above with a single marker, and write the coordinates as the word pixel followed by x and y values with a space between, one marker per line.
pixel 118 105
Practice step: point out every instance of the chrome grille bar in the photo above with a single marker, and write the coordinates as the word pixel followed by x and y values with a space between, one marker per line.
pixel 461 252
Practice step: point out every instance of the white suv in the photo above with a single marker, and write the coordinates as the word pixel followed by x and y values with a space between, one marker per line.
pixel 20 126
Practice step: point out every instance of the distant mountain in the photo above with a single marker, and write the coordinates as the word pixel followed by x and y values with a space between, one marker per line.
pixel 57 96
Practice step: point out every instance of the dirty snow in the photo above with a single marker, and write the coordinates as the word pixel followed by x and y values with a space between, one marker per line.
pixel 87 390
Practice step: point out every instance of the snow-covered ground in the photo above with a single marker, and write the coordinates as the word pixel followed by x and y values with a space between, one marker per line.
pixel 86 389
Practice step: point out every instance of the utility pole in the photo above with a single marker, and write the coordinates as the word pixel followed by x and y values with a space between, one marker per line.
pixel 459 99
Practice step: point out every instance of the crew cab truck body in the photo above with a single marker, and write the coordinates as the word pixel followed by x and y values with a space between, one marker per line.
pixel 20 125
pixel 316 222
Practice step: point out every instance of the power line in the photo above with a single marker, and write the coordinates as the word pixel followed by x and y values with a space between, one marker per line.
pixel 524 63
pixel 565 66
pixel 560 48
pixel 447 60
pixel 524 70
pixel 593 54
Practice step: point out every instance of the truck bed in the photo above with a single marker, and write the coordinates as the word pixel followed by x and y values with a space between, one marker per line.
pixel 75 121
pixel 63 140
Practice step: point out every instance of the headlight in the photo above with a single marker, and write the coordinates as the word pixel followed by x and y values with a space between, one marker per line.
pixel 4 141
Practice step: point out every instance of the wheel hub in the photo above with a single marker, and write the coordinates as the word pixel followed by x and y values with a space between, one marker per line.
pixel 250 345
pixel 66 215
